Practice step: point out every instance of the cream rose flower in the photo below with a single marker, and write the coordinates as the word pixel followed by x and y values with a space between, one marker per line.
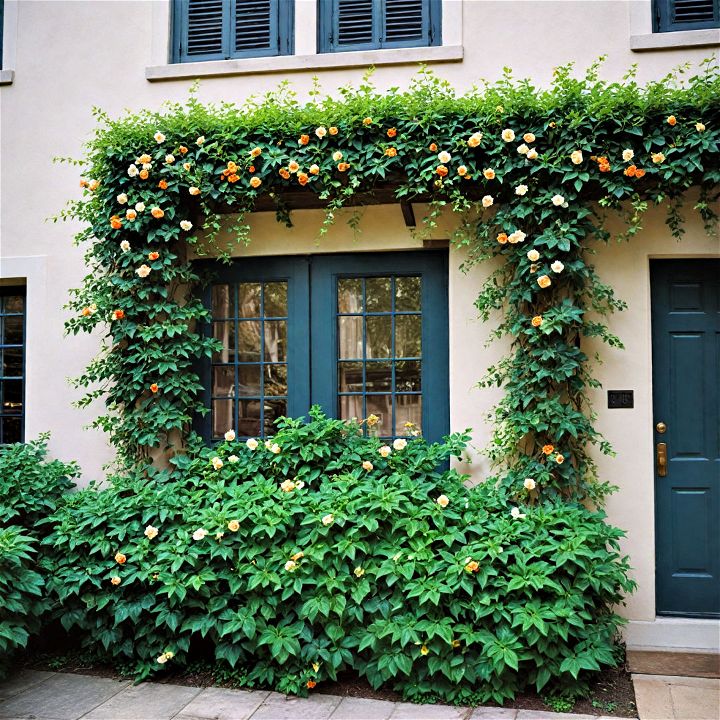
pixel 337 156
pixel 132 171
pixel 201 140
pixel 230 435
pixel 217 463
pixel 576 157
pixel 194 190
pixel 544 281
pixel 529 484
pixel 658 158
pixel 185 225
pixel 508 135
pixel 475 139
pixel 130 214
pixel 557 267
pixel 516 514
pixel 517 237
pixel 367 465
pixel 628 154
pixel 557 200
pixel 143 271
pixel 159 137
pixel 275 449
pixel 287 486
pixel 328 519
pixel 233 459
pixel 399 444
pixel 150 532
pixel 444 157
pixel 487 201
pixel 529 138
pixel 251 444
pixel 169 159
pixel 385 451
pixel 443 501
pixel 162 659
pixel 358 572
pixel 125 246
pixel 699 127
pixel 523 149
pixel 291 566
pixel 533 255
pixel 199 534
pixel 321 132
pixel 532 154
pixel 489 174
pixel 122 198
pixel 140 206
pixel 233 526
pixel 521 189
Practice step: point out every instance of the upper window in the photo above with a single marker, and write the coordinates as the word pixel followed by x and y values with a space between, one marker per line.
pixel 12 364
pixel 375 24
pixel 674 15
pixel 223 29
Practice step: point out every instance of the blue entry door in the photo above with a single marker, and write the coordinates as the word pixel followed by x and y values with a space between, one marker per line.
pixel 358 334
pixel 686 400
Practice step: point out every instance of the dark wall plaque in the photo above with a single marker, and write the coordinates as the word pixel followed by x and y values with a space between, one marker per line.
pixel 621 399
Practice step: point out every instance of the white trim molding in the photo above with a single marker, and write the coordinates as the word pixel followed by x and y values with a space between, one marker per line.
pixel 671 633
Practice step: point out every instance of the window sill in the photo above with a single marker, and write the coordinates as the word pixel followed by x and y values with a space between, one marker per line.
pixel 675 40
pixel 298 63
pixel 6 77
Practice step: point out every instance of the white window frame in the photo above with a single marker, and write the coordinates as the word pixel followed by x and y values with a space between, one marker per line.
pixel 9 43
pixel 306 55
pixel 643 39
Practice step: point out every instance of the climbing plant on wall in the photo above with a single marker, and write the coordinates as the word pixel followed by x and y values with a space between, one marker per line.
pixel 531 174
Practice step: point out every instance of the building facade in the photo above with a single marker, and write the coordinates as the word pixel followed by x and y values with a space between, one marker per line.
pixel 61 58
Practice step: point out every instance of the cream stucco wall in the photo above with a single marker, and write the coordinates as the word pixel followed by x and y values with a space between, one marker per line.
pixel 68 56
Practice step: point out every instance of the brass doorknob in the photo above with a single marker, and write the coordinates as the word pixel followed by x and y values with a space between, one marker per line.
pixel 661 427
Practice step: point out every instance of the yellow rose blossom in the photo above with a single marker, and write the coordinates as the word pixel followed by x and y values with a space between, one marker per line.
pixel 544 281
pixel 233 526
pixel 658 158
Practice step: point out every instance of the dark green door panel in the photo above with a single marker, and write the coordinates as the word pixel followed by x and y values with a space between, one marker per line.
pixel 686 397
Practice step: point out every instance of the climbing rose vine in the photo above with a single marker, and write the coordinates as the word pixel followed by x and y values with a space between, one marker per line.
pixel 531 174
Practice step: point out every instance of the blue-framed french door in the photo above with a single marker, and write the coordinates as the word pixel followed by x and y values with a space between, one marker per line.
pixel 358 334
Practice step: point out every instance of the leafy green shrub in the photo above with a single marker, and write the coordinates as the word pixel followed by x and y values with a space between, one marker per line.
pixel 31 485
pixel 21 594
pixel 295 560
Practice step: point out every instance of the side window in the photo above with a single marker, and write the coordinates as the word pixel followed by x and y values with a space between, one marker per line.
pixel 674 15
pixel 375 24
pixel 12 364
pixel 223 29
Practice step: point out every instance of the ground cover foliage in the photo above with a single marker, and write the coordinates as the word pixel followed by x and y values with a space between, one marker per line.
pixel 300 563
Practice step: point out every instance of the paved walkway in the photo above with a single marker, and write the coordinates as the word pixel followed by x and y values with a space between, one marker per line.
pixel 61 696
pixel 668 697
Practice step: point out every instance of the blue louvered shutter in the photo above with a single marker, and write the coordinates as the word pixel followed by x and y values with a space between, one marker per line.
pixel 674 15
pixel 374 24
pixel 222 29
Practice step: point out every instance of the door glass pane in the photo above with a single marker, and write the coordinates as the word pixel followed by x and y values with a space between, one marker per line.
pixel 378 294
pixel 381 406
pixel 351 406
pixel 350 377
pixel 275 340
pixel 222 303
pixel 407 293
pixel 276 380
pixel 379 336
pixel 248 380
pixel 407 375
pixel 223 384
pixel 378 376
pixel 276 299
pixel 273 410
pixel 12 330
pixel 408 332
pixel 12 364
pixel 350 295
pixel 249 300
pixel 249 418
pixel 350 337
pixel 408 414
pixel 222 417
pixel 249 341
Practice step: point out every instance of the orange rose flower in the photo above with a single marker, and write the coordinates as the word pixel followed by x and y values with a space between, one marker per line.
pixel 537 321
pixel 255 152
pixel 392 132
pixel 153 255
pixel 115 580
pixel 433 147
pixel 304 140
pixel 462 171
pixel 311 684
pixel 630 171
pixel 502 238
pixel 441 170
pixel 343 166
pixel 251 169
pixel 293 166
pixel 157 212
pixel 544 281
pixel 163 185
pixel 284 173
pixel 144 174
pixel 367 121
pixel 314 170
pixel 639 172
pixel 154 388
pixel 672 120
pixel 120 559
pixel 255 182
pixel 333 130
pixel 231 168
pixel 559 459
pixel 119 314
pixel 86 312
pixel 303 178
pixel 233 178
pixel 84 183
pixel 182 149
pixel 115 222
pixel 391 152
pixel 547 449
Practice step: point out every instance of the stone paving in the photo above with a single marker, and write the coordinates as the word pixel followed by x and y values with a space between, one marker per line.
pixel 35 695
pixel 669 697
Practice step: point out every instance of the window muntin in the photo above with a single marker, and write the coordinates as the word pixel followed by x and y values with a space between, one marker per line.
pixel 678 15
pixel 224 29
pixel 379 352
pixel 12 364
pixel 345 25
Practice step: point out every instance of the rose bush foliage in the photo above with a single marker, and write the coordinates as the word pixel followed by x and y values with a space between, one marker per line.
pixel 295 562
